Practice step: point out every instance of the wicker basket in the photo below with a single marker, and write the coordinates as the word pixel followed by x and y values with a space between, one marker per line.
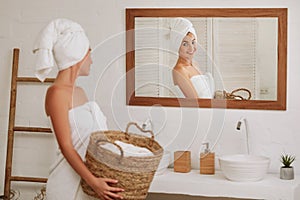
pixel 134 174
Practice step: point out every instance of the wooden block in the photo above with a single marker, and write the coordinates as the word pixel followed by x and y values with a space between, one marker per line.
pixel 207 163
pixel 182 161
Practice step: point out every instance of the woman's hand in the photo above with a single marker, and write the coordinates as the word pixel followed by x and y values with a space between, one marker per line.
pixel 106 192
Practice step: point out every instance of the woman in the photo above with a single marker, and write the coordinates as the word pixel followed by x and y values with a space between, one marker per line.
pixel 63 43
pixel 186 74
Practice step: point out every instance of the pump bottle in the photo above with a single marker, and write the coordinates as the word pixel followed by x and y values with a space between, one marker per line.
pixel 207 161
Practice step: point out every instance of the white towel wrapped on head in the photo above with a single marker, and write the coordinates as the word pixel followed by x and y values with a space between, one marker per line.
pixel 179 28
pixel 61 43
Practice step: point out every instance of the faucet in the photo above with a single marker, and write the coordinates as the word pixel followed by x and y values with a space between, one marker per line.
pixel 147 125
pixel 244 121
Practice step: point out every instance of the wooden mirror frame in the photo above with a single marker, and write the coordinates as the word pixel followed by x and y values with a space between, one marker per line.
pixel 280 13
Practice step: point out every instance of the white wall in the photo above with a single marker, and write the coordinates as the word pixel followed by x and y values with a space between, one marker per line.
pixel 271 132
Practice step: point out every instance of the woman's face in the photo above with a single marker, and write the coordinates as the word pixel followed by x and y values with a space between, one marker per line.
pixel 188 47
pixel 86 64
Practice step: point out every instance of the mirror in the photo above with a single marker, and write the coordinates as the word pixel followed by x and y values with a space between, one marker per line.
pixel 241 53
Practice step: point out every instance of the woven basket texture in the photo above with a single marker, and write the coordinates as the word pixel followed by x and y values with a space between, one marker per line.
pixel 134 174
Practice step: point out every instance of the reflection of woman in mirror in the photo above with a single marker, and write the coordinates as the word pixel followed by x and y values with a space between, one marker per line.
pixel 186 74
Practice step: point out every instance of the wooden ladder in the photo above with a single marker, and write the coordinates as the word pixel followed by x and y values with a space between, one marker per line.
pixel 12 128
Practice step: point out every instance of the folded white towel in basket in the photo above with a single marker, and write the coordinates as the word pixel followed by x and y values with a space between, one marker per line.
pixel 128 149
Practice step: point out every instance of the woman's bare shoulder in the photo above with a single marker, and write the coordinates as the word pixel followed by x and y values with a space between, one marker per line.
pixel 56 91
pixel 79 90
pixel 79 97
pixel 57 97
pixel 180 70
pixel 178 67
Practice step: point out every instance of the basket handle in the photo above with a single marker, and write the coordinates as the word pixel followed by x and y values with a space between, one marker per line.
pixel 238 96
pixel 142 130
pixel 107 141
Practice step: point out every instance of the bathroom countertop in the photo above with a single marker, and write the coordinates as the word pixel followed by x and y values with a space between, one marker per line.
pixel 196 184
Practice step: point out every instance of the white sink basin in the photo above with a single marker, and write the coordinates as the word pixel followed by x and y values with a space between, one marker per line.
pixel 242 167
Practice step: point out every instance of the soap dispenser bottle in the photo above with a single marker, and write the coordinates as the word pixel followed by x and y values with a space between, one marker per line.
pixel 207 161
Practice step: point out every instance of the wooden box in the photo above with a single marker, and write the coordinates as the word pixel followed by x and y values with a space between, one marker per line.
pixel 182 161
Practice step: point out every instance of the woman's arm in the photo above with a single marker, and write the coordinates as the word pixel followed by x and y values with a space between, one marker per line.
pixel 182 79
pixel 57 106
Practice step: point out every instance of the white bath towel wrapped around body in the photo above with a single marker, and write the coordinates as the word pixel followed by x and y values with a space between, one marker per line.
pixel 63 181
pixel 204 85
